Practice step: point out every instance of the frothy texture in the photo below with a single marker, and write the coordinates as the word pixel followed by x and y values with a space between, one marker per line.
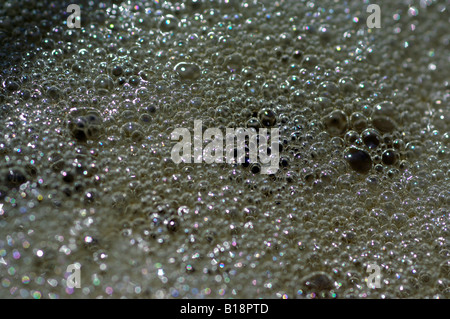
pixel 85 151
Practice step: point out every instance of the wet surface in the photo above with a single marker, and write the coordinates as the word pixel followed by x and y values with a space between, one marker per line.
pixel 87 176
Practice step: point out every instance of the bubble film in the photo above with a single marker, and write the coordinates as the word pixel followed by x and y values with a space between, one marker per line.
pixel 87 179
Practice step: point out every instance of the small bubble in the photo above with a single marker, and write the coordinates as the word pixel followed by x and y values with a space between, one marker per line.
pixel 267 117
pixel 371 138
pixel 25 280
pixel 169 23
pixel 104 82
pixel 384 124
pixel 358 159
pixel 389 157
pixel 317 282
pixel 335 122
pixel 188 70
pixel 358 121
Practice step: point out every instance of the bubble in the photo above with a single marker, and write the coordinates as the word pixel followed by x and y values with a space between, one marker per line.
pixel 133 130
pixel 344 98
pixel 117 70
pixel 358 121
pixel 352 137
pixel 389 157
pixel 67 177
pixel 252 87
pixel 371 138
pixel 299 96
pixel 37 294
pixel 48 43
pixel 384 109
pixel 33 34
pixel 328 88
pixel 188 71
pixel 84 124
pixel 270 89
pixel 254 123
pixel 358 159
pixel 317 282
pixel 444 268
pixel 173 225
pixel 384 124
pixel 169 23
pixel 267 117
pixel 134 80
pixel 248 72
pixel 310 61
pixel 335 122
pixel 255 168
pixel 347 85
pixel 233 61
pixel 104 82
pixel 26 279
pixel 14 176
pixel 11 84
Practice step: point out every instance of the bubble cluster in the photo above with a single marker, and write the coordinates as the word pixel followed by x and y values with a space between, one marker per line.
pixel 84 123
pixel 87 178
